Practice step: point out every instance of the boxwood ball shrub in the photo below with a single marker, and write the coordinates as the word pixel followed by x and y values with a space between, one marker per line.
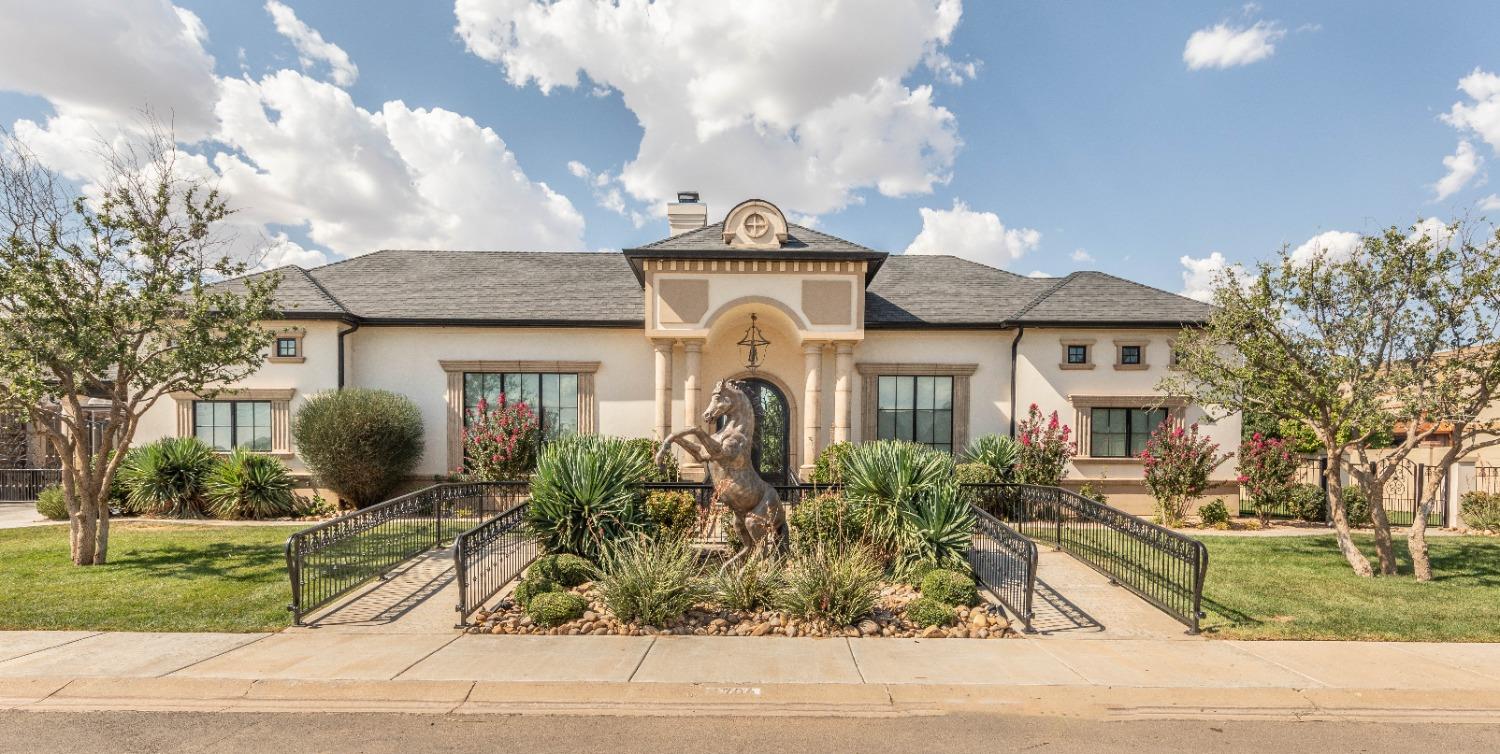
pixel 926 611
pixel 1214 513
pixel 555 608
pixel 975 473
pixel 1478 509
pixel 166 477
pixel 51 503
pixel 586 494
pixel 950 587
pixel 671 513
pixel 567 570
pixel 359 442
pixel 249 485
pixel 531 586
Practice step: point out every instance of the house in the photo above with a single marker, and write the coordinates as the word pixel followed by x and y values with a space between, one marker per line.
pixel 850 344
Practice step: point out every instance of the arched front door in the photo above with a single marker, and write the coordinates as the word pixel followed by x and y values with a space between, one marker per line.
pixel 773 442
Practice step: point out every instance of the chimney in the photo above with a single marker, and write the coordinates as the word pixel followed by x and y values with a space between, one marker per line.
pixel 687 213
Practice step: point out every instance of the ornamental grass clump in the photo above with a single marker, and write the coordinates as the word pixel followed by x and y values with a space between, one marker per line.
pixel 500 441
pixel 166 477
pixel 586 494
pixel 359 442
pixel 1480 510
pixel 51 504
pixel 249 485
pixel 1268 471
pixel 836 585
pixel 1045 448
pixel 1178 462
pixel 651 582
pixel 752 586
pixel 950 587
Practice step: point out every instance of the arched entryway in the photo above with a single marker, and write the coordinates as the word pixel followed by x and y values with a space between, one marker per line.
pixel 771 452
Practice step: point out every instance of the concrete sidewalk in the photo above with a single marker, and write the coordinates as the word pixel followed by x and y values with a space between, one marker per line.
pixel 320 671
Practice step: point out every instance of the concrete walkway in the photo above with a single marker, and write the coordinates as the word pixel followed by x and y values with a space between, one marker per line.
pixel 17 515
pixel 418 597
pixel 1074 601
pixel 319 671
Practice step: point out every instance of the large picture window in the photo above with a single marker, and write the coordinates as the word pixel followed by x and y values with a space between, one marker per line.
pixel 227 425
pixel 917 408
pixel 553 396
pixel 1122 432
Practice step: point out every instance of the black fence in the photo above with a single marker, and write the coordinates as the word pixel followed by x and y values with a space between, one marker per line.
pixel 1005 562
pixel 1402 491
pixel 328 560
pixel 489 556
pixel 1163 567
pixel 714 520
pixel 24 485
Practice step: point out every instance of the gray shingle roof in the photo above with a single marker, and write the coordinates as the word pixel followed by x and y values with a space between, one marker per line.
pixel 913 290
pixel 298 294
pixel 1097 298
pixel 710 238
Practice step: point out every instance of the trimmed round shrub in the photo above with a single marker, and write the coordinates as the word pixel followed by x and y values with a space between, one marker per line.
pixel 829 468
pixel 52 504
pixel 555 608
pixel 532 586
pixel 950 587
pixel 926 611
pixel 1357 506
pixel 671 513
pixel 1307 502
pixel 166 477
pixel 975 473
pixel 1214 513
pixel 586 494
pixel 249 485
pixel 565 570
pixel 359 442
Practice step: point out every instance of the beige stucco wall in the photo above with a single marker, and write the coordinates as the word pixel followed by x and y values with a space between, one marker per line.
pixel 989 387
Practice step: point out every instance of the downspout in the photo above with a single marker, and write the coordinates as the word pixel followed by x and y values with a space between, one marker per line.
pixel 1015 347
pixel 356 326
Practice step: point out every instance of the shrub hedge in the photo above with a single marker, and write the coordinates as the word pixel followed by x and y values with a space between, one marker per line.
pixel 359 442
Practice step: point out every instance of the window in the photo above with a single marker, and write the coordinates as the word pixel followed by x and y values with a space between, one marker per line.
pixel 918 408
pixel 1122 432
pixel 226 425
pixel 286 348
pixel 1130 355
pixel 1078 354
pixel 553 396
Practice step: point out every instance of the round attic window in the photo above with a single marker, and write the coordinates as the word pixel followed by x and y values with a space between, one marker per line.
pixel 756 225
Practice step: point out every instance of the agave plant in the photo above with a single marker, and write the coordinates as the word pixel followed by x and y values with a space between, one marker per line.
pixel 939 526
pixel 586 493
pixel 998 452
pixel 249 485
pixel 166 477
pixel 882 478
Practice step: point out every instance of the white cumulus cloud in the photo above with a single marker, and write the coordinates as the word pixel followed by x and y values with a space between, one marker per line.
pixel 1200 274
pixel 802 103
pixel 1081 256
pixel 1226 46
pixel 1490 203
pixel 311 47
pixel 1462 166
pixel 977 236
pixel 1332 245
pixel 1481 115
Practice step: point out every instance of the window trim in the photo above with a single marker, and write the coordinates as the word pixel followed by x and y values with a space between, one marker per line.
pixel 1088 353
pixel 296 334
pixel 281 413
pixel 1129 433
pixel 1083 420
pixel 588 410
pixel 1121 344
pixel 914 409
pixel 234 422
pixel 871 373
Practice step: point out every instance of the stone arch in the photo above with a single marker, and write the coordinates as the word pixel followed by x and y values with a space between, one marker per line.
pixel 799 324
pixel 793 413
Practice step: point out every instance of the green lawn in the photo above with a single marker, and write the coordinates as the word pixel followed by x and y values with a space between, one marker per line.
pixel 1302 588
pixel 160 577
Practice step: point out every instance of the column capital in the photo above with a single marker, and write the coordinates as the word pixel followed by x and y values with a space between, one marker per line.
pixel 811 347
pixel 662 344
pixel 692 345
pixel 844 347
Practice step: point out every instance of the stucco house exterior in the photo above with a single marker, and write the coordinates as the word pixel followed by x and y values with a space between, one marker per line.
pixel 860 345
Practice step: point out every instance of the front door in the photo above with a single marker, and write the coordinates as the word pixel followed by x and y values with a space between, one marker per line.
pixel 771 451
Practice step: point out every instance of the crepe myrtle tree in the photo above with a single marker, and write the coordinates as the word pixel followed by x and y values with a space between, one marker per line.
pixel 111 297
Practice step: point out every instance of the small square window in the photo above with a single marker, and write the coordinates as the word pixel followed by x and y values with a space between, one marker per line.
pixel 1078 354
pixel 1130 354
pixel 286 348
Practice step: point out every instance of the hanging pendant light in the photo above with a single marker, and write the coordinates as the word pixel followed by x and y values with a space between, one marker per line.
pixel 754 346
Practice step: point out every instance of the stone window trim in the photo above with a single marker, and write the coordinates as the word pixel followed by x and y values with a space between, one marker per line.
pixel 871 372
pixel 281 413
pixel 1088 345
pixel 1083 406
pixel 1120 346
pixel 588 414
pixel 295 333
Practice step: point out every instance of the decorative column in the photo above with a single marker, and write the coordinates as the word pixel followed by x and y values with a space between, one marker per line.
pixel 812 402
pixel 663 414
pixel 692 353
pixel 843 386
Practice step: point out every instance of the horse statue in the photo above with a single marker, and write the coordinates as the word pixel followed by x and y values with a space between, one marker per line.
pixel 758 516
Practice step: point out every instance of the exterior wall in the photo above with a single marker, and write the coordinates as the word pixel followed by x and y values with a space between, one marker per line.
pixel 988 350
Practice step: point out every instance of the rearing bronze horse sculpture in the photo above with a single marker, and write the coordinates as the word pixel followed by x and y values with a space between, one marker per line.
pixel 758 516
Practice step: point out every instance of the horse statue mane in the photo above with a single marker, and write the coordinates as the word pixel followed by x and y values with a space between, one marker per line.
pixel 759 518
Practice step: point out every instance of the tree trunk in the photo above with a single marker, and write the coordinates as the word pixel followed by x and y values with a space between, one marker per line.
pixel 1416 538
pixel 101 540
pixel 85 533
pixel 1336 511
pixel 1384 548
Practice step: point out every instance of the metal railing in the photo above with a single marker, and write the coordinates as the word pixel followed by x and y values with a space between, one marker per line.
pixel 24 485
pixel 1163 567
pixel 712 516
pixel 489 556
pixel 1005 562
pixel 328 560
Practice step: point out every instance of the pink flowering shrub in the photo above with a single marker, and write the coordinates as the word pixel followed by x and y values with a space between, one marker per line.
pixel 1268 470
pixel 1046 447
pixel 500 441
pixel 1178 462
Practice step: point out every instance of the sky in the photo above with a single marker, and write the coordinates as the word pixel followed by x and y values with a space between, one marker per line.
pixel 1159 141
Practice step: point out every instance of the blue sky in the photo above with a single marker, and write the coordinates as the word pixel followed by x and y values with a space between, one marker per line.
pixel 1081 127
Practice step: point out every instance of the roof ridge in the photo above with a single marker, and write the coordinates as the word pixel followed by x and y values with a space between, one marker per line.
pixel 674 237
pixel 1138 284
pixel 965 260
pixel 1043 296
pixel 828 235
pixel 323 289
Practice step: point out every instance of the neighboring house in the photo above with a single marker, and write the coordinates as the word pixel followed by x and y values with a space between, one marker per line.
pixel 859 345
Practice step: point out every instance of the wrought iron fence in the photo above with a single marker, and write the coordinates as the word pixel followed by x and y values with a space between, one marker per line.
pixel 714 519
pixel 1401 493
pixel 1487 479
pixel 489 556
pixel 1005 562
pixel 326 561
pixel 1163 567
pixel 23 485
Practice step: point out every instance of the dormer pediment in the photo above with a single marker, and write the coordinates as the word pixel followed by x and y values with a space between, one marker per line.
pixel 755 224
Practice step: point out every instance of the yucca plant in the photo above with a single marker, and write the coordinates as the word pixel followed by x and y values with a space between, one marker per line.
pixel 939 527
pixel 651 582
pixel 999 452
pixel 836 585
pixel 166 477
pixel 249 485
pixel 882 478
pixel 586 494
